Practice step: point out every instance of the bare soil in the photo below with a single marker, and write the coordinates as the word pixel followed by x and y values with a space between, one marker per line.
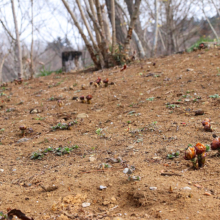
pixel 147 114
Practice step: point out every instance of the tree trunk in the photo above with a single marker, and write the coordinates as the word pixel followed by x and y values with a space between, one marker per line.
pixel 161 38
pixel 88 45
pixel 169 26
pixel 102 46
pixel 137 27
pixel 134 34
pixel 120 25
pixel 1 66
pixel 32 41
pixel 212 28
pixel 155 29
pixel 130 29
pixel 99 14
pixel 106 26
pixel 18 46
pixel 95 17
pixel 90 33
pixel 113 26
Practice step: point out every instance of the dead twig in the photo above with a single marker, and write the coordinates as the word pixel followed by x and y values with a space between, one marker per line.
pixel 205 180
pixel 170 174
pixel 92 171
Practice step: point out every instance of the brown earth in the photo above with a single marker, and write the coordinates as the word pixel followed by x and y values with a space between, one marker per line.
pixel 139 131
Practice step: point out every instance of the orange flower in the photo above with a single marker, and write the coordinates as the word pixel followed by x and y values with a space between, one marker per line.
pixel 190 153
pixel 200 148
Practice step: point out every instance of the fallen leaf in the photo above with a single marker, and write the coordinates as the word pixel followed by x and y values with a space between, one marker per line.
pixel 207 194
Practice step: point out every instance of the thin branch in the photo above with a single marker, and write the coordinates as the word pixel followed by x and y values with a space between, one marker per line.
pixel 113 26
pixel 6 29
pixel 88 45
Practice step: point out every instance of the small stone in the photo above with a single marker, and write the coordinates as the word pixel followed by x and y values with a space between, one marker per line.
pixel 92 159
pixel 153 188
pixel 1 170
pixel 127 171
pixel 136 177
pixel 186 188
pixel 23 140
pixel 113 199
pixel 130 146
pixel 82 115
pixel 85 204
pixel 105 202
pixel 62 217
pixel 102 187
pixel 33 111
pixel 199 112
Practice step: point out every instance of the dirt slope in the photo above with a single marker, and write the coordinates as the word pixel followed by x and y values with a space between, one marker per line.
pixel 138 123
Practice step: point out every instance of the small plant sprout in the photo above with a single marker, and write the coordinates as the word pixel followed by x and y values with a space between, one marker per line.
pixel 23 129
pixel 172 106
pixel 190 154
pixel 201 154
pixel 173 155
pixel 207 125
pixel 64 126
pixel 215 96
pixel 215 145
pixel 89 97
pixel 95 84
pixel 200 151
pixel 123 68
pixel 150 99
pixel 60 103
pixel 128 172
pixel 3 216
pixel 36 156
pixel 69 126
pixel 105 81
pixel 82 99
pixel 18 81
pixel 206 120
pixel 99 131
pixel 98 81
pixel 83 87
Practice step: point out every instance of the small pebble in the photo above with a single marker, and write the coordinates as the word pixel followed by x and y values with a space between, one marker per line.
pixel 85 204
pixel 186 188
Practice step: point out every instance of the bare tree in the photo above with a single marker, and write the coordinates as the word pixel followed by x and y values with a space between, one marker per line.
pixel 134 34
pixel 88 45
pixel 32 41
pixel 18 46
pixel 113 26
pixel 97 20
pixel 1 66
pixel 90 33
pixel 106 25
pixel 155 28
pixel 130 29
pixel 207 19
